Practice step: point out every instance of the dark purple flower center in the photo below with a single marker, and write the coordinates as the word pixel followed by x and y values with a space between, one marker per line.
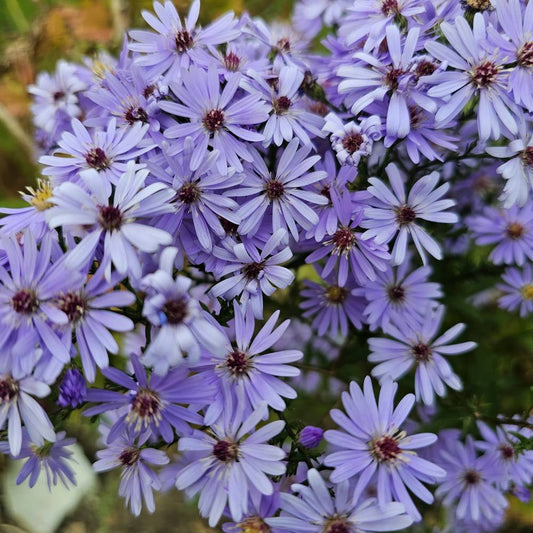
pixel 343 240
pixel 421 352
pixel 515 231
pixel 326 192
pixel 416 116
pixel 424 68
pixel 336 295
pixel 391 77
pixel 385 448
pixel 390 7
pixel 232 62
pixel 97 159
pixel 274 189
pixel 237 362
pixel 485 74
pixel 405 215
pixel 58 95
pixel 136 114
pixel 110 217
pixel 229 227
pixel 146 404
pixel 225 451
pixel 252 270
pixel 525 55
pixel 319 108
pixel 507 451
pixel 253 524
pixel 25 301
pixel 213 120
pixel 284 45
pixel 351 143
pixel 9 389
pixel 189 193
pixel 396 293
pixel 527 156
pixel 73 305
pixel 282 105
pixel 176 310
pixel 183 41
pixel 476 5
pixel 129 456
pixel 472 477
pixel 148 91
pixel 338 526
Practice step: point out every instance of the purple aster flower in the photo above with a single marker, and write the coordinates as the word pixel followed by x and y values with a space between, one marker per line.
pixel 244 374
pixel 352 141
pixel 510 229
pixel 416 346
pixel 18 405
pixel 281 196
pixel 372 446
pixel 310 436
pixel 517 289
pixel 173 46
pixel 393 214
pixel 229 462
pixel 215 119
pixel 153 404
pixel 254 272
pixel 52 458
pixel 317 511
pixel 122 219
pixel 183 326
pixel 260 507
pixel 332 306
pixel 106 152
pixel 399 295
pixel 72 389
pixel 477 72
pixel 201 194
pixel 350 251
pixel 469 482
pixel 137 479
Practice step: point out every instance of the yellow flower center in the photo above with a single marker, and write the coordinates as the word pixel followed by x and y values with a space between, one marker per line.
pixel 527 291
pixel 41 195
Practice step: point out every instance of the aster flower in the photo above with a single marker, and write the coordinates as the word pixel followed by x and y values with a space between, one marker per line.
pixel 393 214
pixel 316 511
pixel 281 196
pixel 477 73
pixel 517 289
pixel 18 405
pixel 416 346
pixel 510 229
pixel 137 479
pixel 173 46
pixel 399 295
pixel 230 461
pixel 216 119
pixel 255 272
pixel 72 389
pixel 350 251
pixel 469 482
pixel 183 326
pixel 244 374
pixel 153 404
pixel 105 152
pixel 122 219
pixel 260 507
pixel 373 446
pixel 52 458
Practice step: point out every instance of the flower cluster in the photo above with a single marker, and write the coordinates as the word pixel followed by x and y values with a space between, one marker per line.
pixel 213 179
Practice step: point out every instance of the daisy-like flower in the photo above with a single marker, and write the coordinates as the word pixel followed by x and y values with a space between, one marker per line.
pixel 229 462
pixel 510 229
pixel 183 326
pixel 255 272
pixel 393 214
pixel 171 49
pixel 281 196
pixel 476 73
pixel 17 405
pixel 399 295
pixel 215 119
pixel 469 482
pixel 106 152
pixel 416 346
pixel 137 479
pixel 315 510
pixel 245 372
pixel 123 220
pixel 373 447
pixel 260 507
pixel 517 289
